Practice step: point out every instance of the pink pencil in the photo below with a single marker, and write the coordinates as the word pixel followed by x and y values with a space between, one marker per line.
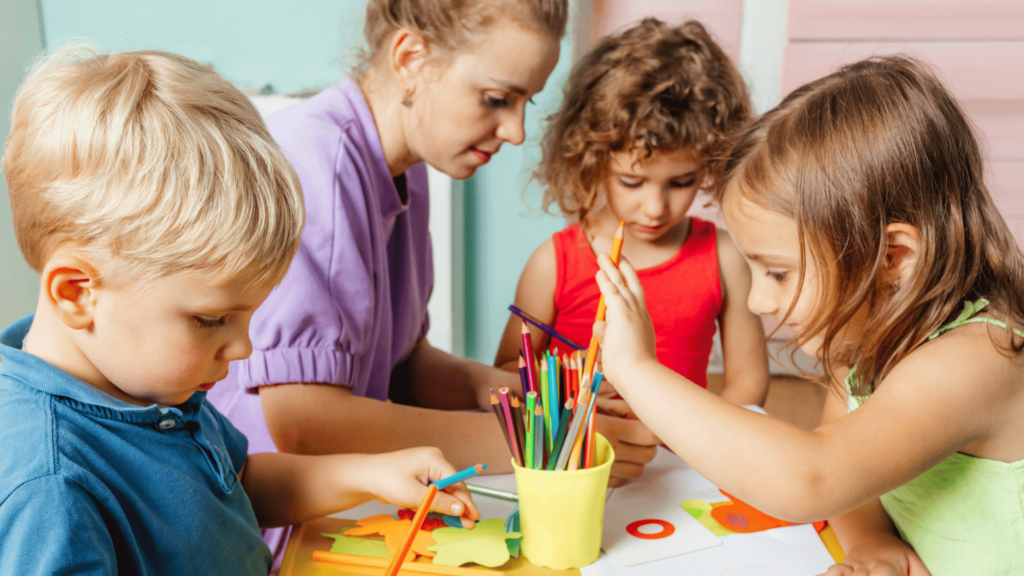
pixel 503 396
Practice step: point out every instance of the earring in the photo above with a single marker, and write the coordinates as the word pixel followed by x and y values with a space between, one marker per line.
pixel 407 100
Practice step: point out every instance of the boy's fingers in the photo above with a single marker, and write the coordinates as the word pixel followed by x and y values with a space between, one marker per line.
pixel 445 503
pixel 461 492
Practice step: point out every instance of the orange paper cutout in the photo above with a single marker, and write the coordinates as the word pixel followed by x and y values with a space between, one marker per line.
pixel 743 518
pixel 394 532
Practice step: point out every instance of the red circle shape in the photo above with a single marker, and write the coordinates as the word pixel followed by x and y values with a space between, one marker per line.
pixel 666 529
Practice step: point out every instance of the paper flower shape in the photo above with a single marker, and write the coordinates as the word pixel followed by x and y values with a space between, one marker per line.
pixel 394 532
pixel 371 547
pixel 485 544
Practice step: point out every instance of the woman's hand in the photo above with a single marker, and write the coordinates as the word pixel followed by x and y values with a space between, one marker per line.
pixel 402 477
pixel 627 334
pixel 886 555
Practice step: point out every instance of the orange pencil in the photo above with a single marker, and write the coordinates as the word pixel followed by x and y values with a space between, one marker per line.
pixel 366 561
pixel 417 522
pixel 616 251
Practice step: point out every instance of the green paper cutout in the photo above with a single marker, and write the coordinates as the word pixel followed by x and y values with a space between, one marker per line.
pixel 369 547
pixel 701 511
pixel 485 544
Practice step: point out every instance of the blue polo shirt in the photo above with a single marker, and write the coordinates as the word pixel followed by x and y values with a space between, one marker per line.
pixel 92 485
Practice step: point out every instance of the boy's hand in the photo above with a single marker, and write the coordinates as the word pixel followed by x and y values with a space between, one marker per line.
pixel 627 335
pixel 402 477
pixel 888 556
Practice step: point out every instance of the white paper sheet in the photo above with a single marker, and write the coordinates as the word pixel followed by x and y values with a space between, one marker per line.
pixel 790 551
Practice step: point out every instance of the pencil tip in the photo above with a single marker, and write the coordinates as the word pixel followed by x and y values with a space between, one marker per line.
pixel 622 226
pixel 526 329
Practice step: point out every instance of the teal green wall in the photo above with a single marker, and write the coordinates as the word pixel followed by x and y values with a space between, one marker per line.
pixel 21 40
pixel 291 45
pixel 295 46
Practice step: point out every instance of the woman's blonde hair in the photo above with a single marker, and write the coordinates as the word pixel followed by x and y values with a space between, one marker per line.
pixel 152 163
pixel 650 87
pixel 448 25
pixel 881 142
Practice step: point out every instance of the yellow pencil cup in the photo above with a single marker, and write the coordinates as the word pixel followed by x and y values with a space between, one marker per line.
pixel 561 513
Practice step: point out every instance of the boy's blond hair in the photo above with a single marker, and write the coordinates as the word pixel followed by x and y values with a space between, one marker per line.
pixel 153 164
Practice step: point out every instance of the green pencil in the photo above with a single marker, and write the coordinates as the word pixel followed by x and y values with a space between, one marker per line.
pixel 531 429
pixel 538 438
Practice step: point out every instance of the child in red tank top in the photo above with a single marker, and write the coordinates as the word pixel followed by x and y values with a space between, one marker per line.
pixel 644 115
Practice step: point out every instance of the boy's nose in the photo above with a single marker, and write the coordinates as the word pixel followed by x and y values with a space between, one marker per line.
pixel 237 349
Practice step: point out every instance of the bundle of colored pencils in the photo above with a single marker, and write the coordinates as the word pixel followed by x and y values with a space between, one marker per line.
pixel 551 429
pixel 554 428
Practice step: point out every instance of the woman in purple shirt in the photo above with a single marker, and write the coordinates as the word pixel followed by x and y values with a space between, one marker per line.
pixel 446 83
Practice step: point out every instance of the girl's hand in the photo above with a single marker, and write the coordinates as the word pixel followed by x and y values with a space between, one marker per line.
pixel 402 477
pixel 889 556
pixel 627 335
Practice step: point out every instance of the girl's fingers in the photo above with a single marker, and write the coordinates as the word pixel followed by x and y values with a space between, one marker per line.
pixel 633 282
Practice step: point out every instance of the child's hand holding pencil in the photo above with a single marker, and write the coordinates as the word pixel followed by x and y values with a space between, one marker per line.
pixel 627 334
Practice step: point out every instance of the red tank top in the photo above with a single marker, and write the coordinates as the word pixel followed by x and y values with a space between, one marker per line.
pixel 684 297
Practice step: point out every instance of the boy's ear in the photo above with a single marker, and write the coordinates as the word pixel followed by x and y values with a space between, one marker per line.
pixel 901 255
pixel 409 54
pixel 70 285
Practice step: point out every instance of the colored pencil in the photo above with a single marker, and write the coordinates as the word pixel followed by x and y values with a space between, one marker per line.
pixel 496 406
pixel 460 476
pixel 570 436
pixel 491 492
pixel 615 253
pixel 545 386
pixel 547 329
pixel 538 438
pixel 417 567
pixel 414 528
pixel 554 401
pixel 517 421
pixel 575 456
pixel 563 427
pixel 523 378
pixel 507 411
pixel 531 376
pixel 588 440
pixel 531 431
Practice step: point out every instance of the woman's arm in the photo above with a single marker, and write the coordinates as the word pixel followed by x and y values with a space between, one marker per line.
pixel 324 419
pixel 535 295
pixel 743 348
pixel 941 398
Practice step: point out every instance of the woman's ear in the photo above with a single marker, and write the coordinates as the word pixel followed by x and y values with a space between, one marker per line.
pixel 902 251
pixel 410 52
pixel 70 285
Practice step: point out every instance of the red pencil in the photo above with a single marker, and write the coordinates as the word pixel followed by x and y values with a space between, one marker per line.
pixel 531 372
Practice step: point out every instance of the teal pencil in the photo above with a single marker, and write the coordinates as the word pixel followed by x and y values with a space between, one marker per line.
pixel 545 389
pixel 554 401
pixel 563 427
pixel 538 438
pixel 460 476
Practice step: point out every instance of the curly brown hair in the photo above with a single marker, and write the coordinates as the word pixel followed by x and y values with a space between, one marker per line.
pixel 651 87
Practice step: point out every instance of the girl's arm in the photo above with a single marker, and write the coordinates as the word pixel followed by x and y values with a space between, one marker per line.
pixel 944 396
pixel 867 535
pixel 741 331
pixel 535 295
pixel 289 489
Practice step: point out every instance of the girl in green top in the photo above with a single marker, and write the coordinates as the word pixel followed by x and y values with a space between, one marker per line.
pixel 860 207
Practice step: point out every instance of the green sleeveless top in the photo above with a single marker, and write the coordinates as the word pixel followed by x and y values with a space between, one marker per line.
pixel 966 514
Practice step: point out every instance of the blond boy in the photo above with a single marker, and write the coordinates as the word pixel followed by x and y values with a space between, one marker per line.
pixel 159 214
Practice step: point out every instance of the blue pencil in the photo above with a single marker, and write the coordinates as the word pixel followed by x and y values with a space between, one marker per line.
pixel 460 476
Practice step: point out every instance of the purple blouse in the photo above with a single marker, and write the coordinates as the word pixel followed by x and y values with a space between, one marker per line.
pixel 354 302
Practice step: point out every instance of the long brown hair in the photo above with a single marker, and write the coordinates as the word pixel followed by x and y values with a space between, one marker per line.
pixel 880 142
pixel 650 87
